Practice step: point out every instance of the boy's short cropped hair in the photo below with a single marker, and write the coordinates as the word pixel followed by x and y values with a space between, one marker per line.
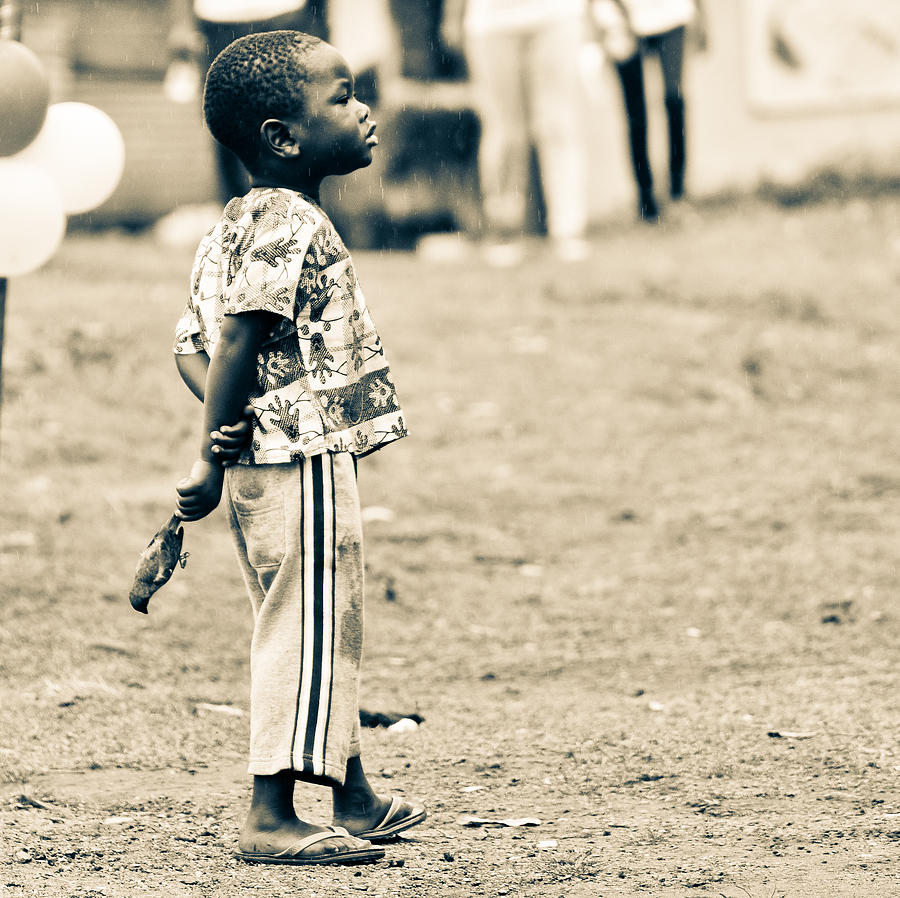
pixel 254 78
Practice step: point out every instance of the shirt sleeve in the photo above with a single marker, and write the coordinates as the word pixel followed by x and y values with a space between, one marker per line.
pixel 267 263
pixel 188 332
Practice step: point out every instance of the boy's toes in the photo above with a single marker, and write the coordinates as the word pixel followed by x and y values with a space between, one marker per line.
pixel 332 846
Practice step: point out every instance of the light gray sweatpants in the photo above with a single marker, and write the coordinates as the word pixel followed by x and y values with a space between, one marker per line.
pixel 298 534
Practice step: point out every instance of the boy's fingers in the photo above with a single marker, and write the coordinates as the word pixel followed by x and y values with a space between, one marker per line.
pixel 227 437
pixel 228 449
pixel 232 429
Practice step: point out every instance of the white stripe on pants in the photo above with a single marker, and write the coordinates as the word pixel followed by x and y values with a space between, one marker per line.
pixel 298 535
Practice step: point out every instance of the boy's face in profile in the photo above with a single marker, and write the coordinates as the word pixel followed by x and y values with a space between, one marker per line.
pixel 336 134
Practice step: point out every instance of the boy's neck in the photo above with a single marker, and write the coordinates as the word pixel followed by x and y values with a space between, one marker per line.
pixel 309 186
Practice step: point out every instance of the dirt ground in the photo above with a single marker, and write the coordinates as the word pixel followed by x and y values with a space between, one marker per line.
pixel 636 566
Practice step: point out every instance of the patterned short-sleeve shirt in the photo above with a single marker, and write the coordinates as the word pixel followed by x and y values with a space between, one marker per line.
pixel 323 382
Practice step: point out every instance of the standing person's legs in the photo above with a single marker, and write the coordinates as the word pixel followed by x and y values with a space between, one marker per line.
pixel 495 66
pixel 557 110
pixel 305 652
pixel 631 77
pixel 671 57
pixel 298 535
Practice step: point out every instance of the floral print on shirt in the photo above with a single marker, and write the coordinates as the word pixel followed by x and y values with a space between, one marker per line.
pixel 323 383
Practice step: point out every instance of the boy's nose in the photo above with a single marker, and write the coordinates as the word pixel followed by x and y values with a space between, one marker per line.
pixel 363 111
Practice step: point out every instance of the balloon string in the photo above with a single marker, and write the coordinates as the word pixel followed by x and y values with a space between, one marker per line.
pixel 10 29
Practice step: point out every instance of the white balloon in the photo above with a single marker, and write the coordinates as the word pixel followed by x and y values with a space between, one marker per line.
pixel 32 220
pixel 82 149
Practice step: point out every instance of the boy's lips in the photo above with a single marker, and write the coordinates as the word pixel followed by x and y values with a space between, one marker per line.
pixel 371 137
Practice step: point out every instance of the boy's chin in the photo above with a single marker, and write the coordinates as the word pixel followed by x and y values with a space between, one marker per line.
pixel 364 162
pixel 352 165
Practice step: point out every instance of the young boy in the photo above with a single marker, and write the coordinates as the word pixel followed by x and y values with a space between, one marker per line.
pixel 276 318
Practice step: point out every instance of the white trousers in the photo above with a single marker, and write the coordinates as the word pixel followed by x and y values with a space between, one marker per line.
pixel 298 534
pixel 528 90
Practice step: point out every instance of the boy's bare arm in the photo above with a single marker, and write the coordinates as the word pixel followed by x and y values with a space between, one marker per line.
pixel 231 376
pixel 193 366
pixel 228 440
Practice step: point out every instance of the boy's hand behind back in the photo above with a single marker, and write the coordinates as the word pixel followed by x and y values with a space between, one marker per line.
pixel 229 441
pixel 199 493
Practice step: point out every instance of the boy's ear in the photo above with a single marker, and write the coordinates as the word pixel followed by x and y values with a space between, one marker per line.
pixel 279 138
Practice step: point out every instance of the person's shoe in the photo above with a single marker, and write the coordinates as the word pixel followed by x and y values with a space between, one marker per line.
pixel 648 211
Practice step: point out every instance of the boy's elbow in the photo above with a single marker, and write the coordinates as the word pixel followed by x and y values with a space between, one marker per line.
pixel 192 368
pixel 186 363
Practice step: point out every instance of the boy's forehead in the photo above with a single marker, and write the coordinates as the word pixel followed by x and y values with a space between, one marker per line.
pixel 325 63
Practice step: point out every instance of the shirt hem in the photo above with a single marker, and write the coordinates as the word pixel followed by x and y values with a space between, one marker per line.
pixel 287 456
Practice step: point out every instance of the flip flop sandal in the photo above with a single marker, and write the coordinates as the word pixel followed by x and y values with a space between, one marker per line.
pixel 365 853
pixel 400 816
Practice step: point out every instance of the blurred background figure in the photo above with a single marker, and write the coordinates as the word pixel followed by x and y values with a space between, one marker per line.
pixel 425 183
pixel 10 20
pixel 201 29
pixel 523 61
pixel 629 31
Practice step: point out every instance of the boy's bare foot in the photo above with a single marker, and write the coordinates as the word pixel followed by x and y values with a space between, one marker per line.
pixel 394 817
pixel 304 843
pixel 273 834
pixel 360 811
pixel 319 845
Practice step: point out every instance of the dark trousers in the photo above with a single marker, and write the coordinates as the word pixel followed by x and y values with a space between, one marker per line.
pixel 669 47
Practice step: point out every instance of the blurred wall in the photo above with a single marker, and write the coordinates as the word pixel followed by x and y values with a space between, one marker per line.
pixel 113 54
pixel 734 144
